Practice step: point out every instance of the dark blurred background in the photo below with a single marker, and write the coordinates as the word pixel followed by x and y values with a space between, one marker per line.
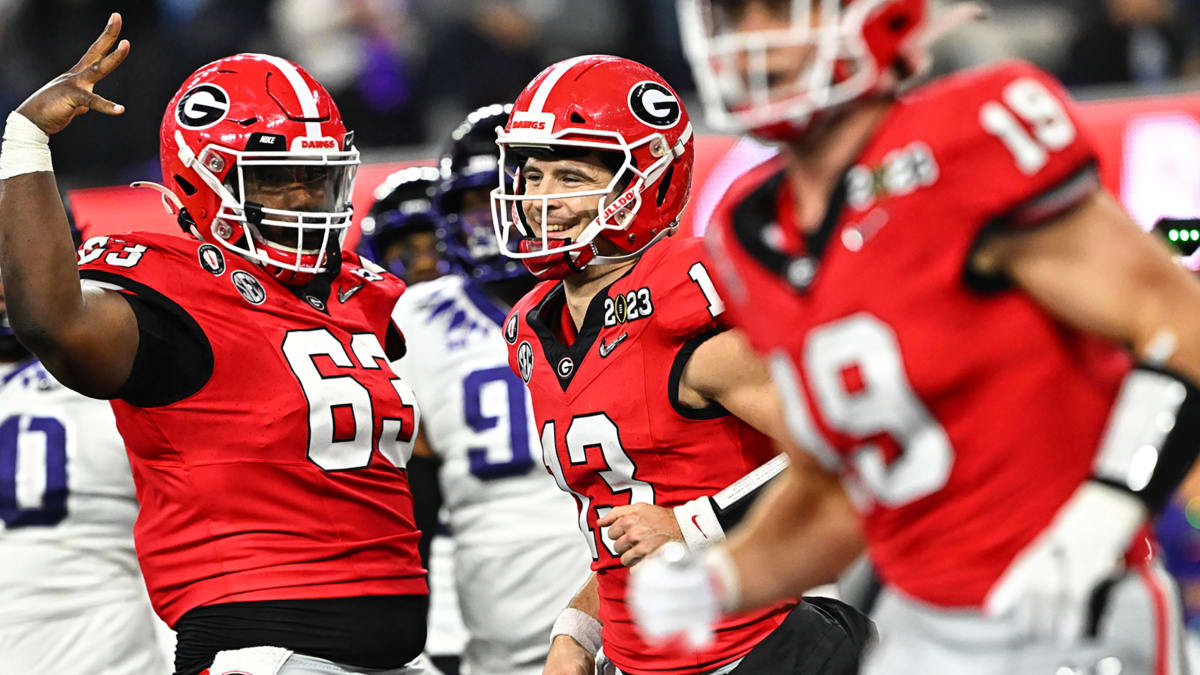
pixel 405 71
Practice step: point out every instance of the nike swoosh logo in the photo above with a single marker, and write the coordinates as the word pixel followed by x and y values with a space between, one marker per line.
pixel 606 349
pixel 346 293
pixel 696 522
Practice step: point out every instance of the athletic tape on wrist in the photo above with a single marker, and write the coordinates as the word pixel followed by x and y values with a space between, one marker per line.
pixel 699 524
pixel 1152 437
pixel 580 627
pixel 26 148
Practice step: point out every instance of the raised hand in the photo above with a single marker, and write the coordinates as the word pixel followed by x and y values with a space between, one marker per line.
pixel 53 106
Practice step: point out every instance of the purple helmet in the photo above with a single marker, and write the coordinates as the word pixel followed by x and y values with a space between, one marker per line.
pixel 471 163
pixel 403 205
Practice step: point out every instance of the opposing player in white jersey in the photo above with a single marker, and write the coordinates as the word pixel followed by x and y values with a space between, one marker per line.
pixel 72 600
pixel 400 232
pixel 518 556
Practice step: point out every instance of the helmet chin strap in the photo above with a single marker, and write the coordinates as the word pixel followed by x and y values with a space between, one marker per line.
pixel 610 259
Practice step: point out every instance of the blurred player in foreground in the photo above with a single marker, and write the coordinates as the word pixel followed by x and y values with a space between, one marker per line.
pixel 518 557
pixel 72 600
pixel 965 328
pixel 247 367
pixel 643 403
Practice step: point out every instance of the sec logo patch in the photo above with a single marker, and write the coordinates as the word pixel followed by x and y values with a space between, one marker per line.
pixel 248 286
pixel 525 360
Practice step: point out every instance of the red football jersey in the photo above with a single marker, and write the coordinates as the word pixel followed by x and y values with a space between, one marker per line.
pixel 960 414
pixel 613 432
pixel 282 476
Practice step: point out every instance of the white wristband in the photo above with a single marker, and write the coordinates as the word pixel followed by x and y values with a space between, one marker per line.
pixel 26 148
pixel 698 523
pixel 580 627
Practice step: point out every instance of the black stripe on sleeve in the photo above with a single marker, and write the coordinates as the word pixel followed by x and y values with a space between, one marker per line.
pixel 1030 215
pixel 709 412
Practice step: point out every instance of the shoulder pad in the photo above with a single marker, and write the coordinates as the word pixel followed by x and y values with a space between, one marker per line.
pixel 680 281
pixel 147 259
pixel 1002 137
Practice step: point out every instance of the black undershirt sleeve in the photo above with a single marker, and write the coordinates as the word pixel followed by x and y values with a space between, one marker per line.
pixel 174 358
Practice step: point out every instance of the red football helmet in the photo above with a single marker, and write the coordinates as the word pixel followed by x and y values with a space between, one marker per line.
pixel 256 159
pixel 611 105
pixel 846 46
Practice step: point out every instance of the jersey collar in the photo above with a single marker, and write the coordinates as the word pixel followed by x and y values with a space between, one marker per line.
pixel 765 225
pixel 548 313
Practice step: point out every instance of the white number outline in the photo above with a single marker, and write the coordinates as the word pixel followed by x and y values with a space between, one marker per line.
pixel 893 408
pixel 595 430
pixel 322 394
pixel 1052 127
pixel 95 247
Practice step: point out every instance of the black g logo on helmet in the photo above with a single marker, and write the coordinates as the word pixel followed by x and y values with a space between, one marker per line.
pixel 654 105
pixel 202 106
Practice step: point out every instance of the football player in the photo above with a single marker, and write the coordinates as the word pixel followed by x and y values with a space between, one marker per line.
pixel 399 232
pixel 644 405
pixel 965 328
pixel 517 554
pixel 247 366
pixel 71 597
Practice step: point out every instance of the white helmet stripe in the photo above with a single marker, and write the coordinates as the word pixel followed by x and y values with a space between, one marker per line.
pixel 308 103
pixel 543 92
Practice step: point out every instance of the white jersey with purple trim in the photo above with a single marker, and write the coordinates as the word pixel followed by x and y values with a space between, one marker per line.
pixel 72 599
pixel 518 555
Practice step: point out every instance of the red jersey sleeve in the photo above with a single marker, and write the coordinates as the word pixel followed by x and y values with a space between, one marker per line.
pixel 686 301
pixel 1022 156
pixel 149 271
pixel 136 262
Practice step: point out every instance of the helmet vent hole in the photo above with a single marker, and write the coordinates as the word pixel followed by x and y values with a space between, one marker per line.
pixel 898 23
pixel 248 121
pixel 664 185
pixel 577 118
pixel 187 187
